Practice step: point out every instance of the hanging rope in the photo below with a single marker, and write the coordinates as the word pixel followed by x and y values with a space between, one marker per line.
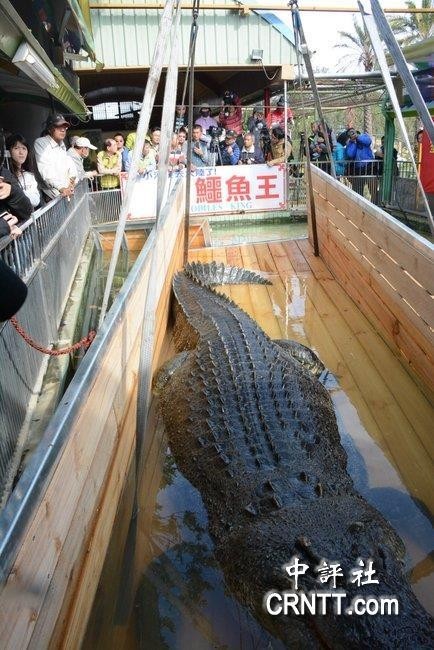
pixel 190 71
pixel 83 343
pixel 193 35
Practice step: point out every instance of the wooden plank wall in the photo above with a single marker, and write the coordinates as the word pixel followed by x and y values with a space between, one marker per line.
pixel 47 598
pixel 386 269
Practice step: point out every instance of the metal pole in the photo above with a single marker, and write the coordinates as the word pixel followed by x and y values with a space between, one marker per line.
pixel 193 36
pixel 242 6
pixel 142 127
pixel 312 211
pixel 402 67
pixel 167 118
pixel 311 197
pixel 285 104
pixel 371 27
pixel 307 62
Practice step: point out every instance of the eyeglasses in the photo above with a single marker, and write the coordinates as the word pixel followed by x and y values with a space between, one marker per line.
pixel 61 128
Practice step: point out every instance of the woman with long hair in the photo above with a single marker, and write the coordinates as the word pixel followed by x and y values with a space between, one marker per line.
pixel 23 167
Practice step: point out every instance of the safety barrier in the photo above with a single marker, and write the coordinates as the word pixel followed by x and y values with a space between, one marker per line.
pixel 70 489
pixel 45 256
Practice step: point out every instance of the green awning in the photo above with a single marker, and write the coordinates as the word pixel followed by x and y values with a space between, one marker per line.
pixel 84 25
pixel 14 31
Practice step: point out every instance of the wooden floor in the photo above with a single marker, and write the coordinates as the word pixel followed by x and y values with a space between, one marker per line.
pixel 378 404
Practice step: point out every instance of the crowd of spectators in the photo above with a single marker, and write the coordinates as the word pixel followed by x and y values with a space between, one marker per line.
pixel 352 153
pixel 48 169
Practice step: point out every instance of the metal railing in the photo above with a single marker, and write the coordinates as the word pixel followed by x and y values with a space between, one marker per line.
pixel 46 256
pixel 104 206
pixel 405 196
pixel 27 493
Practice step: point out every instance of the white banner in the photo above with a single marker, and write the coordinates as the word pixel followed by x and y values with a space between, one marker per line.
pixel 216 190
pixel 250 188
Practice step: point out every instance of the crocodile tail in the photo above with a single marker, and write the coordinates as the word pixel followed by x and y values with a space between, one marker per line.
pixel 218 273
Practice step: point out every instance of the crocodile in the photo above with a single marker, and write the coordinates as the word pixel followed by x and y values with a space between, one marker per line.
pixel 254 430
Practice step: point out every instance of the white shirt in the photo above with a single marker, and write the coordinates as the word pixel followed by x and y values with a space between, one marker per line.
pixel 30 188
pixel 54 164
pixel 79 166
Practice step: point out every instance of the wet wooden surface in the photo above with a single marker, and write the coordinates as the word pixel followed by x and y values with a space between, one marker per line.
pixel 378 403
pixel 382 415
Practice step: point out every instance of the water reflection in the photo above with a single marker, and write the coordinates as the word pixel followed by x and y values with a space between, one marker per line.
pixel 182 601
pixel 385 424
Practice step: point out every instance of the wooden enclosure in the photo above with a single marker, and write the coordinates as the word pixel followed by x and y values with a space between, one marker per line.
pixel 387 269
pixel 49 593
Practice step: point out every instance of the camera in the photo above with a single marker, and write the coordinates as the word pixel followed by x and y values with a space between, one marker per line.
pixel 229 98
pixel 214 131
pixel 264 134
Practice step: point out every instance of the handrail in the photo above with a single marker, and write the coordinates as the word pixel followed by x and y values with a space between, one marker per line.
pixel 28 491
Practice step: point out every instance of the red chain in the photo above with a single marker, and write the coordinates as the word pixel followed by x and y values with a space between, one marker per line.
pixel 84 343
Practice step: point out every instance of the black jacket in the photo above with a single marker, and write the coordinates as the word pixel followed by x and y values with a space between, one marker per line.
pixel 17 202
pixel 13 292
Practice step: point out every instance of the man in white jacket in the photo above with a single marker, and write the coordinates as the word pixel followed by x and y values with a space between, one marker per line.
pixel 56 168
pixel 78 152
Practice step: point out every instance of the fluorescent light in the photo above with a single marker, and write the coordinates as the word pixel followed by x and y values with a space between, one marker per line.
pixel 256 55
pixel 33 66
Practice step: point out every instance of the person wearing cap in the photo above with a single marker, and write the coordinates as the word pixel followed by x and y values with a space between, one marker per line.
pixel 229 150
pixel 78 152
pixel 205 119
pixel 56 168
pixel 276 117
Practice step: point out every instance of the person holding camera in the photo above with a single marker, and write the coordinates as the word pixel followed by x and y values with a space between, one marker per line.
pixel 251 154
pixel 230 116
pixel 205 119
pixel 256 123
pixel 276 117
pixel 229 150
pixel 358 149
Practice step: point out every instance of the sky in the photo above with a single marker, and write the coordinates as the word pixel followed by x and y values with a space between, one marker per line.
pixel 321 28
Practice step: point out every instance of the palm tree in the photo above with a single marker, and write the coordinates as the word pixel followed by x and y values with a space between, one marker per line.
pixel 360 53
pixel 413 27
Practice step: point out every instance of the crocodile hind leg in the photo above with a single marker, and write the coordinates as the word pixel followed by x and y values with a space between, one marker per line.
pixel 310 361
pixel 167 370
pixel 303 355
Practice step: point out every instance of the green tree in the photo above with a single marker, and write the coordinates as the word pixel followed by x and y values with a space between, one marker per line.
pixel 359 53
pixel 413 27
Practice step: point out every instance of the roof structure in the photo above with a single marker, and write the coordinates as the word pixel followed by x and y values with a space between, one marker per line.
pixel 124 41
pixel 17 85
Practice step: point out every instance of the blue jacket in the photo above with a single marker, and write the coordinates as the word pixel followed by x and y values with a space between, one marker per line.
pixel 360 150
pixel 339 157
pixel 230 159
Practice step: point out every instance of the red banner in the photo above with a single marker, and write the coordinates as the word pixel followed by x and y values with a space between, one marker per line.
pixel 427 164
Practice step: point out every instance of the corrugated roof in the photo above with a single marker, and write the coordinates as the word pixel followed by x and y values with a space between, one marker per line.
pixel 126 37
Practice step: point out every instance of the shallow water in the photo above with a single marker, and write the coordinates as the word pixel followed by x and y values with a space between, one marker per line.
pixel 224 233
pixel 181 601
